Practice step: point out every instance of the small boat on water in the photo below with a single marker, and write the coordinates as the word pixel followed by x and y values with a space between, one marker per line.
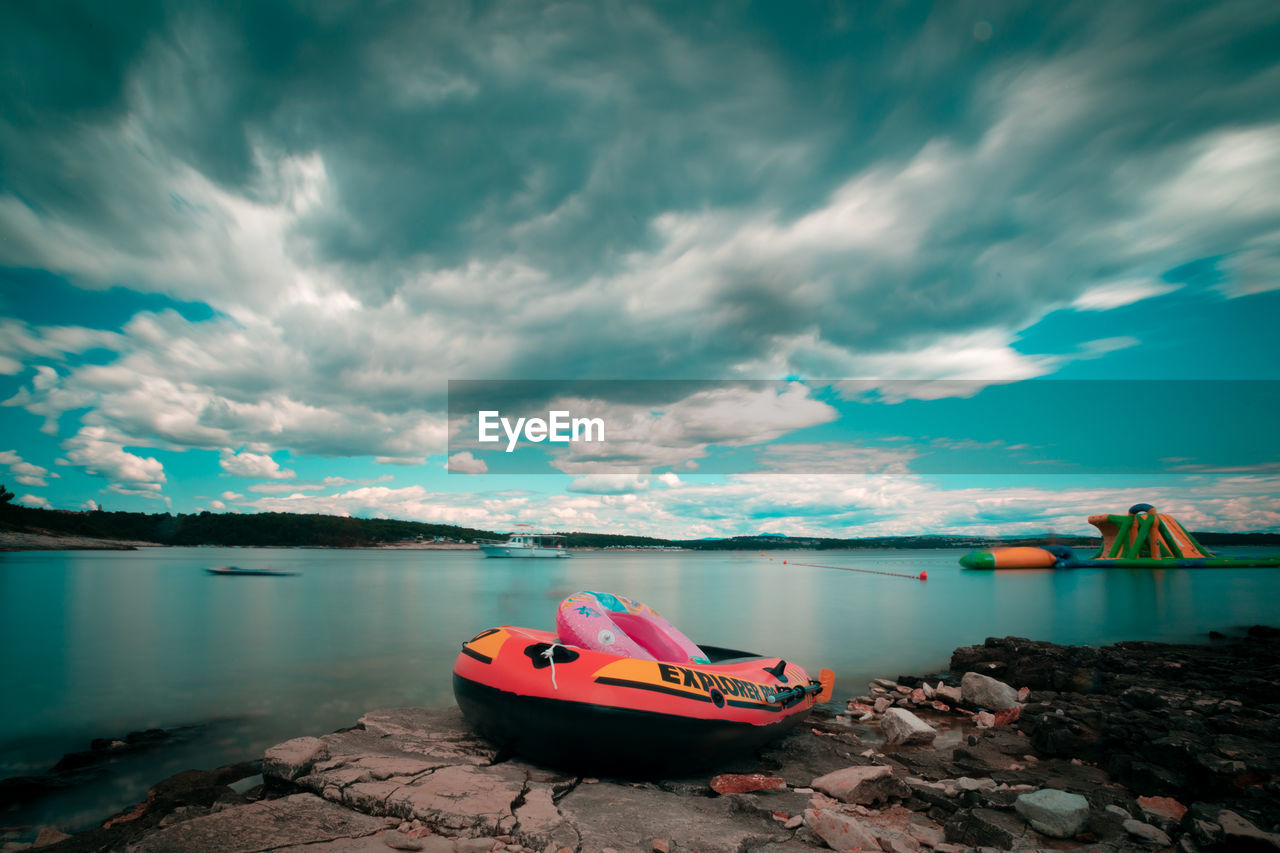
pixel 227 571
pixel 617 690
pixel 1141 539
pixel 526 544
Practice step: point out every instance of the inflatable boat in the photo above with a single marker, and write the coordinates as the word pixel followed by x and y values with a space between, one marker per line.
pixel 1142 539
pixel 619 691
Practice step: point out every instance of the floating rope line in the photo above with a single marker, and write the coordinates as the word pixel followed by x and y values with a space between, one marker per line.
pixel 923 576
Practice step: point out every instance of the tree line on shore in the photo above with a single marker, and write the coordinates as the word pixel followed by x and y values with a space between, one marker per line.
pixel 329 531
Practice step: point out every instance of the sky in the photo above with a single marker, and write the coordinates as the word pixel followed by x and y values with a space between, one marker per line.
pixel 838 269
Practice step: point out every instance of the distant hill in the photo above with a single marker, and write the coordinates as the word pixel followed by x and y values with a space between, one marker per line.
pixel 330 531
pixel 229 528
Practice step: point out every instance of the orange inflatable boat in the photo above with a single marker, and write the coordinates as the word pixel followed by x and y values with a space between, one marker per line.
pixel 593 711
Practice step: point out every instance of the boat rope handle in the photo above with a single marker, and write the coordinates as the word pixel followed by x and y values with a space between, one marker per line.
pixel 786 697
pixel 550 654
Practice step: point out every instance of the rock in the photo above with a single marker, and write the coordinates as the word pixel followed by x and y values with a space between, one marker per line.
pixel 1007 715
pixel 400 841
pixel 930 835
pixel 918 696
pixel 48 835
pixel 841 832
pixel 986 692
pixel 473 845
pixel 661 845
pixel 1146 832
pixel 1239 832
pixel 293 820
pixel 966 783
pixel 947 693
pixel 1055 813
pixel 893 841
pixel 903 727
pixel 1024 693
pixel 984 720
pixel 983 828
pixel 929 692
pixel 294 758
pixel 741 783
pixel 1162 811
pixel 864 785
pixel 882 704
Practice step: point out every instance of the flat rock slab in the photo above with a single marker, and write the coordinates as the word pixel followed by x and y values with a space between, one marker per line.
pixel 414 763
pixel 626 817
pixel 301 819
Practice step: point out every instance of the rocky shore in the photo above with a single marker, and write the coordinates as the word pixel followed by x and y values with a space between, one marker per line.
pixel 1023 746
pixel 35 540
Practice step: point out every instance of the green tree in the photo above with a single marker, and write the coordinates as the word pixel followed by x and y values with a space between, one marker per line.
pixel 5 495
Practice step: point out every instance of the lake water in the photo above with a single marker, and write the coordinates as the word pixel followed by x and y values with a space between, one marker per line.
pixel 100 643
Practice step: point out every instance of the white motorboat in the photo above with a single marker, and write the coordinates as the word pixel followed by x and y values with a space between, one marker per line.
pixel 526 545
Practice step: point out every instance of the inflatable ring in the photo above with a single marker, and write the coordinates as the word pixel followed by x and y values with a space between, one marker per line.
pixel 602 622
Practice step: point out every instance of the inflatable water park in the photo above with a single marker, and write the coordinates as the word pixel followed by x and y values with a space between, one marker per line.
pixel 619 689
pixel 1144 538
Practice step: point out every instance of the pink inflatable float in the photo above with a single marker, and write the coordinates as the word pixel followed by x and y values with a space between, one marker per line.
pixel 599 621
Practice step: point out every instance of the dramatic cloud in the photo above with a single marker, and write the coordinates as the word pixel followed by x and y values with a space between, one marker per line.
pixel 371 201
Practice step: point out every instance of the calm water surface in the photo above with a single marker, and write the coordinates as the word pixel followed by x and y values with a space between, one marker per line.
pixel 101 643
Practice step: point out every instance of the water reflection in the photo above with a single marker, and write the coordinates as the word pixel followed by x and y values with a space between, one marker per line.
pixel 103 643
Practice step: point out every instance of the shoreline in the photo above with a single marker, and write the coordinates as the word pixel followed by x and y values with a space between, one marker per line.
pixel 1134 746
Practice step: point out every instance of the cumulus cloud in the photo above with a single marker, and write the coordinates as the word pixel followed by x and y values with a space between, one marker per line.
pixel 253 465
pixel 35 501
pixel 818 505
pixel 609 484
pixel 92 450
pixel 465 463
pixel 24 472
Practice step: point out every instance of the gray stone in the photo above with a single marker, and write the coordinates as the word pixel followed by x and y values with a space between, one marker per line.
pixel 294 758
pixel 473 845
pixel 905 728
pixel 986 692
pixel 1238 831
pixel 1055 813
pixel 949 694
pixel 864 785
pixel 1146 832
pixel 294 820
pixel 629 817
pixel 984 828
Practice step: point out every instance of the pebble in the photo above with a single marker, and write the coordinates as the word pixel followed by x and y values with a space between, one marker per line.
pixel 661 845
pixel 1147 833
pixel 400 841
pixel 473 845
